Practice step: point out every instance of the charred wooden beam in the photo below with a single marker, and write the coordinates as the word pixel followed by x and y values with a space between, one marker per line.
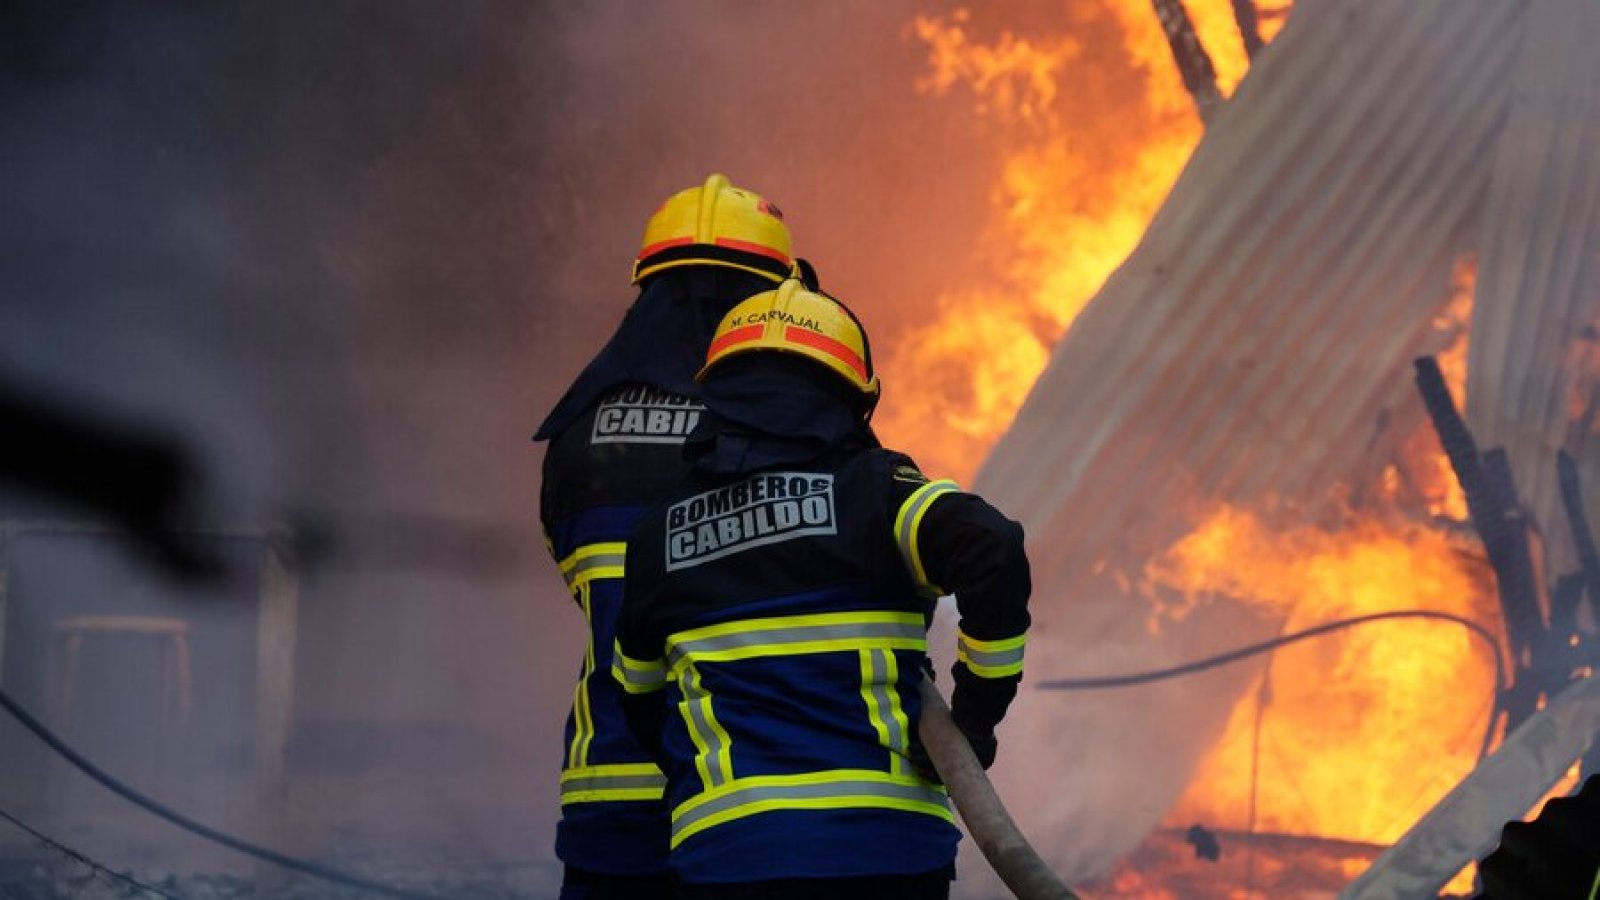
pixel 1194 64
pixel 1502 527
pixel 1564 600
pixel 1244 13
pixel 1454 437
pixel 1561 654
pixel 1578 523
pixel 1519 588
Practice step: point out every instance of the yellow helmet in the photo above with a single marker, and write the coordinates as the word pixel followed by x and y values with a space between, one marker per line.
pixel 716 224
pixel 792 319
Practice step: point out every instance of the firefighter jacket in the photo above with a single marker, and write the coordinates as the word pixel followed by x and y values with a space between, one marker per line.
pixel 601 472
pixel 771 643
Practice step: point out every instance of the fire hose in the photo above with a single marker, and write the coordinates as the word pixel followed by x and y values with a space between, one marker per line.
pixel 991 826
pixel 987 820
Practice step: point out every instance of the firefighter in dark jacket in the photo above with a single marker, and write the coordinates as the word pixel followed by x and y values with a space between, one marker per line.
pixel 616 440
pixel 773 631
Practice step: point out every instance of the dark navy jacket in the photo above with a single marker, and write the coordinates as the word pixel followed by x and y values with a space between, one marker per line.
pixel 772 639
pixel 600 475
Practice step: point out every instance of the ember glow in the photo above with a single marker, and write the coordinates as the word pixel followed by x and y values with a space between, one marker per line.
pixel 1350 737
pixel 1089 158
pixel 1330 741
pixel 1421 473
pixel 1082 176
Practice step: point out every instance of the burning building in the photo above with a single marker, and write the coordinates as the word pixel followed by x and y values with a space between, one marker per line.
pixel 1226 444
pixel 1185 338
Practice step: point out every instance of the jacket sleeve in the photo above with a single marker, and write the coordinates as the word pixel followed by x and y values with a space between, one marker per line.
pixel 639 665
pixel 955 542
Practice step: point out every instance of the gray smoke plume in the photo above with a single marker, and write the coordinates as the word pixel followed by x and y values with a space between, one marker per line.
pixel 344 255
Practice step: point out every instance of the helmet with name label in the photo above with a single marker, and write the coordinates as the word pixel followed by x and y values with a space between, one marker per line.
pixel 716 224
pixel 792 319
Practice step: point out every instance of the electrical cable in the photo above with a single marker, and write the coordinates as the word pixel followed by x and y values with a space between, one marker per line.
pixel 105 780
pixel 1222 659
pixel 94 867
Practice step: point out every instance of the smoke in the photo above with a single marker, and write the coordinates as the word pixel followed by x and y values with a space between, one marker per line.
pixel 346 255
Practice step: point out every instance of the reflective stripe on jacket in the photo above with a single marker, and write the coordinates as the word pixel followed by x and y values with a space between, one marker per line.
pixel 780 621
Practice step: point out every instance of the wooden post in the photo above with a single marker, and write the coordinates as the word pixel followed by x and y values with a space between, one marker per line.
pixel 1578 521
pixel 1194 64
pixel 1502 526
pixel 1244 13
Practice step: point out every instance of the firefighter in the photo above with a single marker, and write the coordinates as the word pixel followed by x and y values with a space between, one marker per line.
pixel 773 631
pixel 615 445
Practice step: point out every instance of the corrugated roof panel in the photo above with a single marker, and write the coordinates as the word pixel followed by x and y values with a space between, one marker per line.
pixel 1318 253
pixel 1539 273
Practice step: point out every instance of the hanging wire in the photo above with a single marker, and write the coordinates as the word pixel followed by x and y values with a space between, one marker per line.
pixel 1222 659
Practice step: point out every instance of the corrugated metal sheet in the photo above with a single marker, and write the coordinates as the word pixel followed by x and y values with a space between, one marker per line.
pixel 1538 299
pixel 1255 344
pixel 1466 824
pixel 1289 279
pixel 1532 367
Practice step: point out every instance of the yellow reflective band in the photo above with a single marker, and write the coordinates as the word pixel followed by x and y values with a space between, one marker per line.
pixel 607 783
pixel 1594 890
pixel 712 742
pixel 793 635
pixel 591 561
pixel 582 714
pixel 899 723
pixel 879 672
pixel 835 789
pixel 991 659
pixel 909 519
pixel 637 676
pixel 870 682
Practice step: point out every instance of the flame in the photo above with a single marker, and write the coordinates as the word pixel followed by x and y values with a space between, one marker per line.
pixel 1080 181
pixel 1456 318
pixel 1013 78
pixel 1422 467
pixel 1363 730
pixel 1357 734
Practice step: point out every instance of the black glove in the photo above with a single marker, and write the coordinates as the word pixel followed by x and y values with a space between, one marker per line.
pixel 983 747
pixel 982 741
pixel 977 705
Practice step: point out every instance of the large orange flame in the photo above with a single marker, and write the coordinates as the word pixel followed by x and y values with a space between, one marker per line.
pixel 1354 735
pixel 1081 179
pixel 1078 186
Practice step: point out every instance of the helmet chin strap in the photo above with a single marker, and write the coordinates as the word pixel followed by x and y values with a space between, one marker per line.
pixel 872 407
